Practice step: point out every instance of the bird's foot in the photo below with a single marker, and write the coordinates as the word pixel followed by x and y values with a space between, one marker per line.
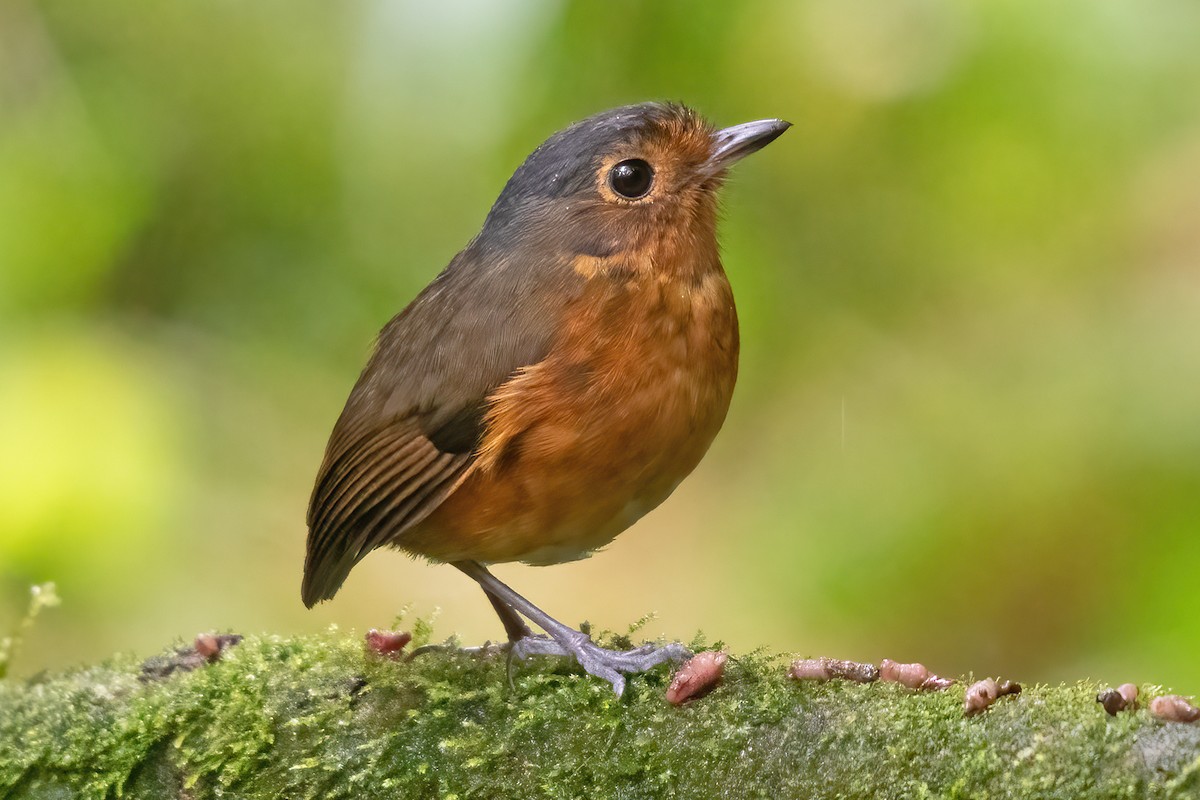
pixel 600 661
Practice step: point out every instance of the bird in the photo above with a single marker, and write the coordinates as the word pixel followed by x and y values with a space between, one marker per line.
pixel 556 381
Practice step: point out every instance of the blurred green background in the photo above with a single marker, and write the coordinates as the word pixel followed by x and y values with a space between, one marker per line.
pixel 967 429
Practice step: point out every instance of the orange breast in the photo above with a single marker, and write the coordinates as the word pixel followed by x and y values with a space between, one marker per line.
pixel 581 445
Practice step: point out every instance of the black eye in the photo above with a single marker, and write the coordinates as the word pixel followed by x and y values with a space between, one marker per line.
pixel 632 178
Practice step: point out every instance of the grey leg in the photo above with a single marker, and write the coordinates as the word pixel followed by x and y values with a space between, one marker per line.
pixel 596 660
pixel 514 626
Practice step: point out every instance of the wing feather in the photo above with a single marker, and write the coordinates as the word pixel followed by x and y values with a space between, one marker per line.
pixel 397 484
pixel 412 425
pixel 372 466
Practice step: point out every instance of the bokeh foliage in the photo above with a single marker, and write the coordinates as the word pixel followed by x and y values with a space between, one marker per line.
pixel 967 429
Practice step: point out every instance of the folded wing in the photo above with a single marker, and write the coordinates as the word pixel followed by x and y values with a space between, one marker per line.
pixel 411 426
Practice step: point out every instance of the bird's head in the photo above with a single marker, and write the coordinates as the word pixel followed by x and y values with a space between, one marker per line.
pixel 623 181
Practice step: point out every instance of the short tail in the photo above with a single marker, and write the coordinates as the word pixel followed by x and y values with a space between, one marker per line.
pixel 323 577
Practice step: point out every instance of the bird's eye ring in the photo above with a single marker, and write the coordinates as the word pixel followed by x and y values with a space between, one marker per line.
pixel 631 179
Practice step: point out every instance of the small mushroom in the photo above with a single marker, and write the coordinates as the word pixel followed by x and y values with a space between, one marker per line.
pixel 387 643
pixel 211 646
pixel 914 676
pixel 1118 699
pixel 206 645
pixel 809 669
pixel 824 669
pixel 697 677
pixel 1173 708
pixel 981 694
pixel 207 648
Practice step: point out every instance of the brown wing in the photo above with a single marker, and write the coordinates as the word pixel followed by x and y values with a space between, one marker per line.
pixel 413 422
pixel 369 489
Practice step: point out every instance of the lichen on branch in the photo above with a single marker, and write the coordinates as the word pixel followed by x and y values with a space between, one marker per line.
pixel 325 717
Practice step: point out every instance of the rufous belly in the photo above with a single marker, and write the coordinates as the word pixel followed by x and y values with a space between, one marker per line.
pixel 579 446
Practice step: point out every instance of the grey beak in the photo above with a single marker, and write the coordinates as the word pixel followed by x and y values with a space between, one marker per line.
pixel 731 145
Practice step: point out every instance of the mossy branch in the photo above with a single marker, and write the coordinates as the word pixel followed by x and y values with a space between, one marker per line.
pixel 321 718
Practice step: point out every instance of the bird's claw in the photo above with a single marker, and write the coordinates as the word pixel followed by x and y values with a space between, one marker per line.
pixel 600 661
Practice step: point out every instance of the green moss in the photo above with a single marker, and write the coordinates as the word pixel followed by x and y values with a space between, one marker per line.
pixel 319 718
